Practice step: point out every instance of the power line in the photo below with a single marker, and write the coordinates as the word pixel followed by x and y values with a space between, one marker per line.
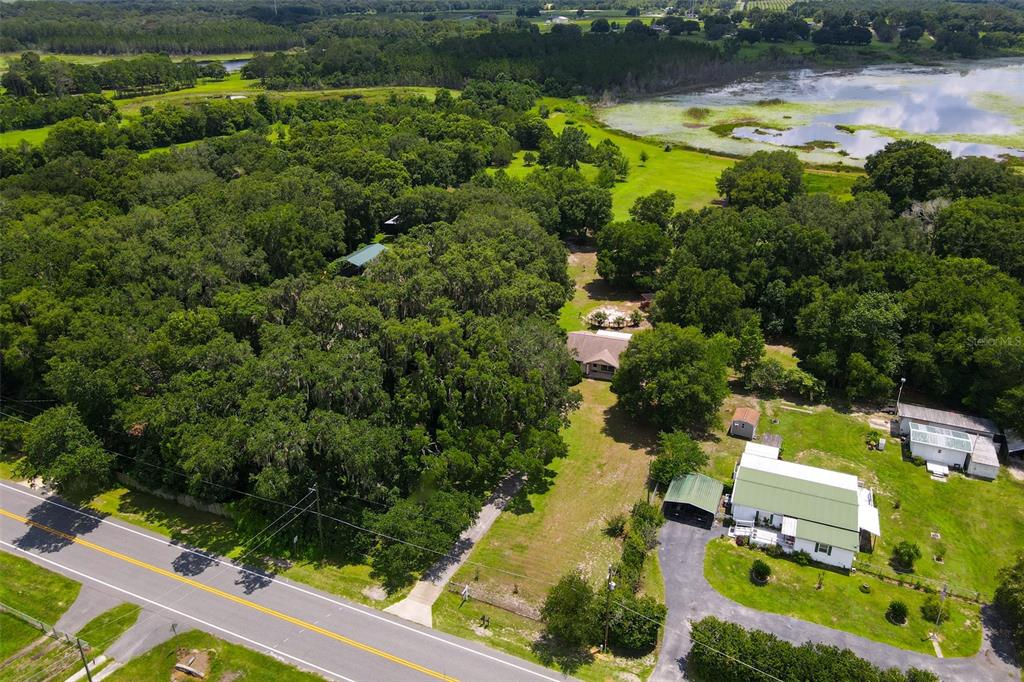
pixel 439 553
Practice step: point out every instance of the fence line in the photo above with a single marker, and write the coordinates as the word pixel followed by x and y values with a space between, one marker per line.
pixel 49 630
pixel 181 498
pixel 910 578
pixel 492 600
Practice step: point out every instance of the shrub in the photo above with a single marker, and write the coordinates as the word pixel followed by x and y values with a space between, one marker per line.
pixel 616 526
pixel 774 551
pixel 897 612
pixel 905 554
pixel 802 558
pixel 865 588
pixel 761 570
pixel 634 622
pixel 647 519
pixel 940 552
pixel 729 649
pixel 569 611
pixel 934 610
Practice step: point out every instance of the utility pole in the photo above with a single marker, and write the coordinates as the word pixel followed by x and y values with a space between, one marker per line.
pixel 942 602
pixel 88 673
pixel 608 603
pixel 903 380
pixel 319 520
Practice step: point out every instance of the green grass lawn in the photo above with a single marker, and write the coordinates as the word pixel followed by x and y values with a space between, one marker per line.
pixel 33 136
pixel 104 629
pixel 839 604
pixel 228 661
pixel 35 591
pixel 15 634
pixel 980 523
pixel 604 473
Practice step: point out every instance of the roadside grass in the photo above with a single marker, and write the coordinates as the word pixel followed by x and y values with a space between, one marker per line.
pixel 972 517
pixel 35 591
pixel 15 634
pixel 840 603
pixel 228 662
pixel 348 577
pixel 101 631
pixel 604 473
pixel 523 637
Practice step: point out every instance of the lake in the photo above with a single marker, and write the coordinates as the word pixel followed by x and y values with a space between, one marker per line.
pixel 843 116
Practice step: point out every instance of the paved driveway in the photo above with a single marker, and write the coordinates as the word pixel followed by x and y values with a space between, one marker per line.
pixel 689 597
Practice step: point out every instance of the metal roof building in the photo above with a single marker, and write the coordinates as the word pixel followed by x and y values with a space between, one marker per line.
pixel 936 436
pixel 807 503
pixel 694 495
pixel 945 418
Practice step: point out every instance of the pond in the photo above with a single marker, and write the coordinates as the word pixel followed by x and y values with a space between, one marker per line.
pixel 972 108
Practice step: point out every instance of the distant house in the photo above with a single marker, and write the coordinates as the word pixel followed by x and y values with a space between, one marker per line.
pixel 694 496
pixel 598 352
pixel 744 423
pixel 802 508
pixel 355 262
pixel 952 439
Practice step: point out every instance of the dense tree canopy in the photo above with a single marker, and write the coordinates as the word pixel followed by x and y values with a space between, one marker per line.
pixel 186 310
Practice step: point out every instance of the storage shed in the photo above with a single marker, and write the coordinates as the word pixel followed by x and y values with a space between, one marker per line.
pixel 744 423
pixel 694 497
pixel 936 444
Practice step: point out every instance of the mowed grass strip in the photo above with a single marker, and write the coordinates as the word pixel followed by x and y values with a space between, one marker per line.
pixel 604 473
pixel 228 662
pixel 35 591
pixel 980 523
pixel 840 603
pixel 344 576
pixel 104 629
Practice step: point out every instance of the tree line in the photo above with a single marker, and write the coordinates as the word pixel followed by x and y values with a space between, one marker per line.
pixel 180 313
pixel 920 275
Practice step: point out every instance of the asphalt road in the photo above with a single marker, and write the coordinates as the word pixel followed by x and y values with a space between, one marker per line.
pixel 297 624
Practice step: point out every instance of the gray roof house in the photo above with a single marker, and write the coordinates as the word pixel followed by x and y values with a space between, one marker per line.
pixel 598 352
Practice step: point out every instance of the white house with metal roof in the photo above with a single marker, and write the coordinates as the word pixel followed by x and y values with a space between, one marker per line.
pixel 803 508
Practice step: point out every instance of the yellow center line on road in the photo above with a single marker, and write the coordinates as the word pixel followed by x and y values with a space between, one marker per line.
pixel 230 597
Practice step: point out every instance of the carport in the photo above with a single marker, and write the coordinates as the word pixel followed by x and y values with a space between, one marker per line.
pixel 695 498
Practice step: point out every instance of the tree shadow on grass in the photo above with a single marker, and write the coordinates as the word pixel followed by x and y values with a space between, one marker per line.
pixel 599 291
pixel 187 527
pixel 68 525
pixel 623 428
pixel 552 652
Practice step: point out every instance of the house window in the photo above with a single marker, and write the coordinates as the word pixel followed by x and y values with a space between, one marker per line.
pixel 823 548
